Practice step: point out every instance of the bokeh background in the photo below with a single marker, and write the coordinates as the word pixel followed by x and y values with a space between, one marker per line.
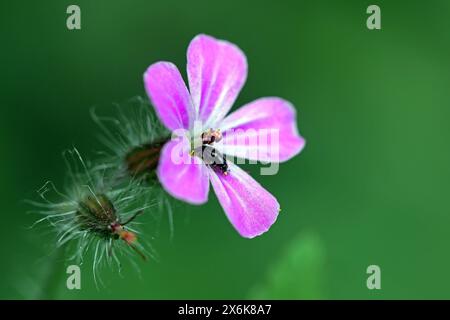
pixel 371 187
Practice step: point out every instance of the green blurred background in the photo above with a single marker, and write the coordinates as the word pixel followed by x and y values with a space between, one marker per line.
pixel 371 187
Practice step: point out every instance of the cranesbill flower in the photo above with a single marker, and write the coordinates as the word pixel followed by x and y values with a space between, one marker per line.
pixel 217 71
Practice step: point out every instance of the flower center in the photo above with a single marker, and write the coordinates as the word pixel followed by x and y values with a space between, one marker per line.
pixel 210 136
pixel 210 155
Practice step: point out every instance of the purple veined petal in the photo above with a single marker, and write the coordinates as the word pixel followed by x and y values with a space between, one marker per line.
pixel 181 175
pixel 263 130
pixel 169 95
pixel 250 208
pixel 217 70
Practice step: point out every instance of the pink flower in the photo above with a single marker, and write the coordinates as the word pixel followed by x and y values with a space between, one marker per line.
pixel 217 70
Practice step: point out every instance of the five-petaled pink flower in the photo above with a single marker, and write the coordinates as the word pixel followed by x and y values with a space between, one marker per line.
pixel 217 70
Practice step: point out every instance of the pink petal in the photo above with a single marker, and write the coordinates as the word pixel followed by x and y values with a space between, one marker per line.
pixel 250 208
pixel 169 95
pixel 252 137
pixel 217 70
pixel 181 175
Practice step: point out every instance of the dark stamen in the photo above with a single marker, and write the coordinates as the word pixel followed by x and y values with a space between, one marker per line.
pixel 212 157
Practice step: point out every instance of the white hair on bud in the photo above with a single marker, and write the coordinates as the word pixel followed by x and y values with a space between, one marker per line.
pixel 84 212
